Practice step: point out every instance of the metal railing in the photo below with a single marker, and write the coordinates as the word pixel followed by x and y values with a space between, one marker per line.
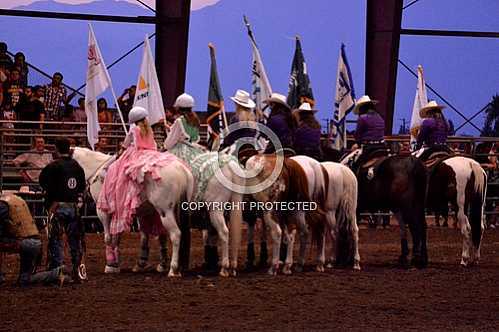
pixel 15 141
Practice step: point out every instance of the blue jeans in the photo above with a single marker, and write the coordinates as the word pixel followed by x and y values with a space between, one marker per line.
pixel 65 219
pixel 30 251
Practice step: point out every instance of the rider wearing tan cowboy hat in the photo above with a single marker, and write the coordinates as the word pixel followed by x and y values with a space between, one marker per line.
pixel 434 130
pixel 369 134
pixel 280 122
pixel 307 137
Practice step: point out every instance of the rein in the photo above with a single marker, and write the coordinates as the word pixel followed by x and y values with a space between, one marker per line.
pixel 93 178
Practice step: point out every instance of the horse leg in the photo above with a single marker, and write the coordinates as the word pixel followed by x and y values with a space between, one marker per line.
pixel 403 262
pixel 170 224
pixel 276 234
pixel 290 236
pixel 303 229
pixel 163 253
pixel 355 235
pixel 417 228
pixel 264 256
pixel 333 232
pixel 143 254
pixel 466 232
pixel 218 222
pixel 250 252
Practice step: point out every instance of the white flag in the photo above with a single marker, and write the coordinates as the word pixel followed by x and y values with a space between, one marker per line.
pixel 98 81
pixel 148 93
pixel 344 101
pixel 260 82
pixel 420 100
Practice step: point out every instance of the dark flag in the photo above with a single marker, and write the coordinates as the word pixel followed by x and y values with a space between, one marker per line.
pixel 215 117
pixel 300 90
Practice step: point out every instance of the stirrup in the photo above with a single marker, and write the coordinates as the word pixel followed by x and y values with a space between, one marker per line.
pixel 82 272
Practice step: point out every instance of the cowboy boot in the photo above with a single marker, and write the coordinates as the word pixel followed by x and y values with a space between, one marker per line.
pixel 250 257
pixel 264 255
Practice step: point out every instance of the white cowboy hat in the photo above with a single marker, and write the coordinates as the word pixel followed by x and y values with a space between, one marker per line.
pixel 137 113
pixel 362 101
pixel 184 101
pixel 243 98
pixel 305 107
pixel 423 112
pixel 277 98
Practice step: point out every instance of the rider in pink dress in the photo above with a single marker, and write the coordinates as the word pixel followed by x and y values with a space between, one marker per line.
pixel 122 192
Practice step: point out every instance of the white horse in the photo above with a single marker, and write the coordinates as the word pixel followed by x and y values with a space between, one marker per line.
pixel 341 214
pixel 176 183
pixel 223 192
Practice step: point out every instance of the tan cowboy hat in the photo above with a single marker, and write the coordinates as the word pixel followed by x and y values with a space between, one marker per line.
pixel 278 99
pixel 423 112
pixel 362 101
pixel 243 98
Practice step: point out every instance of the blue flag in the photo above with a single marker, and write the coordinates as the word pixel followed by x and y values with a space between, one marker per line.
pixel 344 101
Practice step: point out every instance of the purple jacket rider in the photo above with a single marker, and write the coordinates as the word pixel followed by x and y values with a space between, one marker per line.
pixel 279 125
pixel 432 132
pixel 307 140
pixel 370 127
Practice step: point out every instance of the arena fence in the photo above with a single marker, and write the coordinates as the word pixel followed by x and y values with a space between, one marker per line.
pixel 15 141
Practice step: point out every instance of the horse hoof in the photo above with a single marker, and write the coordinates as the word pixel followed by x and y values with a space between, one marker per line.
pixel 233 273
pixel 111 269
pixel 138 268
pixel 107 239
pixel 273 270
pixel 403 263
pixel 299 268
pixel 287 269
pixel 224 273
pixel 464 263
pixel 356 267
pixel 161 268
pixel 173 274
pixel 319 268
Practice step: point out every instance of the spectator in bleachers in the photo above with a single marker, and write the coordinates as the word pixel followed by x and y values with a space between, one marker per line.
pixel 125 101
pixel 55 98
pixel 5 63
pixel 103 112
pixel 13 88
pixel 30 108
pixel 22 66
pixel 39 157
pixel 80 115
pixel 7 114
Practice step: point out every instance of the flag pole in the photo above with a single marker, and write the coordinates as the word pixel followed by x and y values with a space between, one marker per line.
pixel 222 106
pixel 118 108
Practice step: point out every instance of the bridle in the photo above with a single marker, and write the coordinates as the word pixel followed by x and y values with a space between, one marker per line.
pixel 93 178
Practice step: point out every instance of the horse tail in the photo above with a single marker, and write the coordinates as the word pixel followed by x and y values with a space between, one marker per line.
pixel 190 184
pixel 236 219
pixel 347 219
pixel 477 202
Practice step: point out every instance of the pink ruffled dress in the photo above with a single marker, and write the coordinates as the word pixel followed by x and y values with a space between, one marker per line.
pixel 122 192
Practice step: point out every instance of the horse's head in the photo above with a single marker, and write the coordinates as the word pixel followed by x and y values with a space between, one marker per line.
pixel 89 160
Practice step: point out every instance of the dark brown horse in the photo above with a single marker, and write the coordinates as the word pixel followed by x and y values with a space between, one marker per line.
pixel 398 184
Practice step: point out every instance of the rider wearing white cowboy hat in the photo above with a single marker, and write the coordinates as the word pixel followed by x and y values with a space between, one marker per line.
pixel 280 121
pixel 244 114
pixel 307 136
pixel 432 136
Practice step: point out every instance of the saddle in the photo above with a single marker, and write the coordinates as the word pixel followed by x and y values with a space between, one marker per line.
pixel 436 158
pixel 375 158
pixel 373 161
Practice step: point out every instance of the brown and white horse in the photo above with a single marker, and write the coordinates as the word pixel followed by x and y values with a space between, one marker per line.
pixel 304 179
pixel 462 182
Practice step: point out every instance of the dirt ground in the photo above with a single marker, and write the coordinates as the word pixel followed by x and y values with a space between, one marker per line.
pixel 380 297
